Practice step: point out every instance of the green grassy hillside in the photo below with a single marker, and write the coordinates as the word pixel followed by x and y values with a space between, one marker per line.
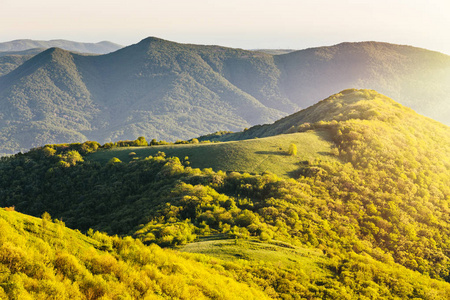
pixel 252 156
pixel 285 256
pixel 344 106
pixel 373 218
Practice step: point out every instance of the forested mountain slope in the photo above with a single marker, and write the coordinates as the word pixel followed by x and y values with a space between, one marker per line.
pixel 375 212
pixel 165 90
pixel 11 60
pixel 155 88
pixel 29 52
pixel 44 99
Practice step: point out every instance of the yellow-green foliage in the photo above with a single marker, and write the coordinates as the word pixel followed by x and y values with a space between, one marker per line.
pixel 114 160
pixel 54 262
pixel 292 150
pixel 373 216
pixel 399 176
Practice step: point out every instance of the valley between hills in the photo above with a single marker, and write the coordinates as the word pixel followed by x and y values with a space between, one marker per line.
pixel 345 199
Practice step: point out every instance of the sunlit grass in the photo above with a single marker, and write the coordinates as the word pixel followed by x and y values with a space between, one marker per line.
pixel 275 253
pixel 252 156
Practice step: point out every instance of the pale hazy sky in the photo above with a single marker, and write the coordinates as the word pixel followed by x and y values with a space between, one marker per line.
pixel 245 24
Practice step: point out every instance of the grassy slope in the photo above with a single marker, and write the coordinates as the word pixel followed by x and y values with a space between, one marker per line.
pixel 280 254
pixel 252 156
pixel 358 104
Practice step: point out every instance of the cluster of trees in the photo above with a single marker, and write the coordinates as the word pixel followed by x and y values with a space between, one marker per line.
pixel 69 154
pixel 141 141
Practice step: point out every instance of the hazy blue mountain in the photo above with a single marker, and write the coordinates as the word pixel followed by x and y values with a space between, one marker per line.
pixel 155 88
pixel 28 52
pixel 166 90
pixel 25 44
pixel 415 77
pixel 275 51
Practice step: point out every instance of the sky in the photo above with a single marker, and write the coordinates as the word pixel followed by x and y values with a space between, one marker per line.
pixel 248 24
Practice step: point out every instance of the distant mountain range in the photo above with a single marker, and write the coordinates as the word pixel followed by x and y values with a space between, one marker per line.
pixel 275 51
pixel 97 48
pixel 15 53
pixel 166 90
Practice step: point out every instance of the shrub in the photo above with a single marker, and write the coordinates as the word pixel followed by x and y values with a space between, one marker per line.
pixel 13 257
pixel 114 161
pixel 47 151
pixel 68 265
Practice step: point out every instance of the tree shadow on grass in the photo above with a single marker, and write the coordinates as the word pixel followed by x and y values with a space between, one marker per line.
pixel 325 153
pixel 280 153
pixel 300 170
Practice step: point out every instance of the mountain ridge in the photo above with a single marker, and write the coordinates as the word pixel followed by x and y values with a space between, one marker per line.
pixel 169 91
pixel 361 64
pixel 142 68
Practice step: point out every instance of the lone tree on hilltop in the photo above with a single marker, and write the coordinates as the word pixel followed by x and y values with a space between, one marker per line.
pixel 292 150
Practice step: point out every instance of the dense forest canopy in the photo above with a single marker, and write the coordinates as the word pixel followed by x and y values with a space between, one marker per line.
pixel 376 212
